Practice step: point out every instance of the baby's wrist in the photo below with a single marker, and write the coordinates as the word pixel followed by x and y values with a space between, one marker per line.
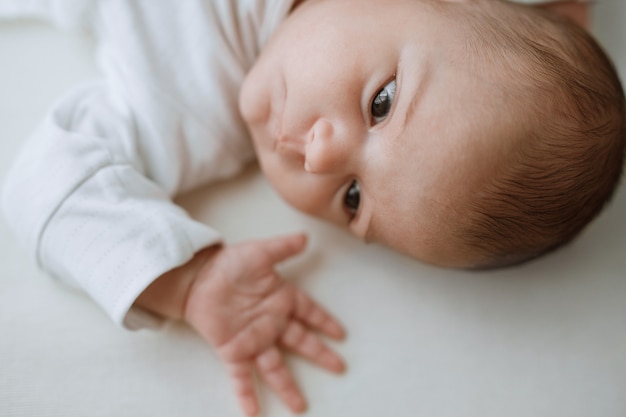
pixel 167 295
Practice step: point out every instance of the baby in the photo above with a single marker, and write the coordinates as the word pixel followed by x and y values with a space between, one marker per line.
pixel 446 150
pixel 469 134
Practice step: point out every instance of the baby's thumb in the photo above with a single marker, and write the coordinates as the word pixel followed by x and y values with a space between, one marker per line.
pixel 281 248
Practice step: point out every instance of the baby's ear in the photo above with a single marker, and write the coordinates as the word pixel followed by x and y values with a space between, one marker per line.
pixel 576 11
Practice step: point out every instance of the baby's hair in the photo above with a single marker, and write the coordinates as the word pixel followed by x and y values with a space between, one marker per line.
pixel 568 160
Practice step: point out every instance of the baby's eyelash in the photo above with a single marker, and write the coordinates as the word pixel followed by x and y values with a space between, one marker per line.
pixel 383 101
pixel 352 199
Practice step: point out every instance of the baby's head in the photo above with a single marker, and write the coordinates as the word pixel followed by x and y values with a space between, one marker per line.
pixel 470 133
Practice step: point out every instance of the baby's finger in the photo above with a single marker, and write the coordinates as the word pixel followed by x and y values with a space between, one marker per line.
pixel 272 368
pixel 313 315
pixel 283 247
pixel 243 381
pixel 309 345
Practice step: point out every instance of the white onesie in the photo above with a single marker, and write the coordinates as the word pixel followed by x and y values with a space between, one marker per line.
pixel 90 193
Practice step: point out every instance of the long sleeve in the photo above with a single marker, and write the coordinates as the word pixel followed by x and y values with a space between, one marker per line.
pixel 79 198
pixel 89 195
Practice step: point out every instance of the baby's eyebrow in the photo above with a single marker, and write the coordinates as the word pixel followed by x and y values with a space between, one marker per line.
pixel 411 109
pixel 370 232
pixel 410 112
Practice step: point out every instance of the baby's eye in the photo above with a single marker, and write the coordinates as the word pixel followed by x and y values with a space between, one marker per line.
pixel 352 199
pixel 382 101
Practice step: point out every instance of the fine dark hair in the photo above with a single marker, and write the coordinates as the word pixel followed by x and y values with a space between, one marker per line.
pixel 569 155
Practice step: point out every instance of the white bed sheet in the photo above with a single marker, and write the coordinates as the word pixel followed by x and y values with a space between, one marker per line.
pixel 547 339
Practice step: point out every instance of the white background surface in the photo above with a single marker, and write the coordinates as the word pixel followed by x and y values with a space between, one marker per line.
pixel 547 339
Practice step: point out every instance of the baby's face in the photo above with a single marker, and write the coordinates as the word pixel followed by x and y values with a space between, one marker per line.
pixel 361 114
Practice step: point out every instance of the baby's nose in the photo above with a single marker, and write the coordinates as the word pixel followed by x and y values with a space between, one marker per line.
pixel 326 152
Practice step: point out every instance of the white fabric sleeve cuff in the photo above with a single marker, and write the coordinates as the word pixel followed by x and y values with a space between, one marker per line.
pixel 90 216
pixel 134 235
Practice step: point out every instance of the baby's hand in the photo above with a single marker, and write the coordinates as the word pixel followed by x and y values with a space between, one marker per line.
pixel 245 309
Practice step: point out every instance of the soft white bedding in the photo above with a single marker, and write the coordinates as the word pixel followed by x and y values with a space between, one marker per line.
pixel 547 339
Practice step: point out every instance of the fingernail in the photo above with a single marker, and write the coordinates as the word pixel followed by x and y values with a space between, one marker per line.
pixel 338 331
pixel 337 364
pixel 250 407
pixel 299 404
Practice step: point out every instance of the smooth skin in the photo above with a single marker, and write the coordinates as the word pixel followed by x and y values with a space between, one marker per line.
pixel 373 119
pixel 234 298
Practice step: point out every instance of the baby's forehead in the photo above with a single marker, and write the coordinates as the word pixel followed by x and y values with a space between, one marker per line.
pixel 421 209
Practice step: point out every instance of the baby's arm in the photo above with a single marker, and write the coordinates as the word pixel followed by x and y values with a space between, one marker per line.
pixel 80 198
pixel 83 201
pixel 234 298
pixel 90 193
